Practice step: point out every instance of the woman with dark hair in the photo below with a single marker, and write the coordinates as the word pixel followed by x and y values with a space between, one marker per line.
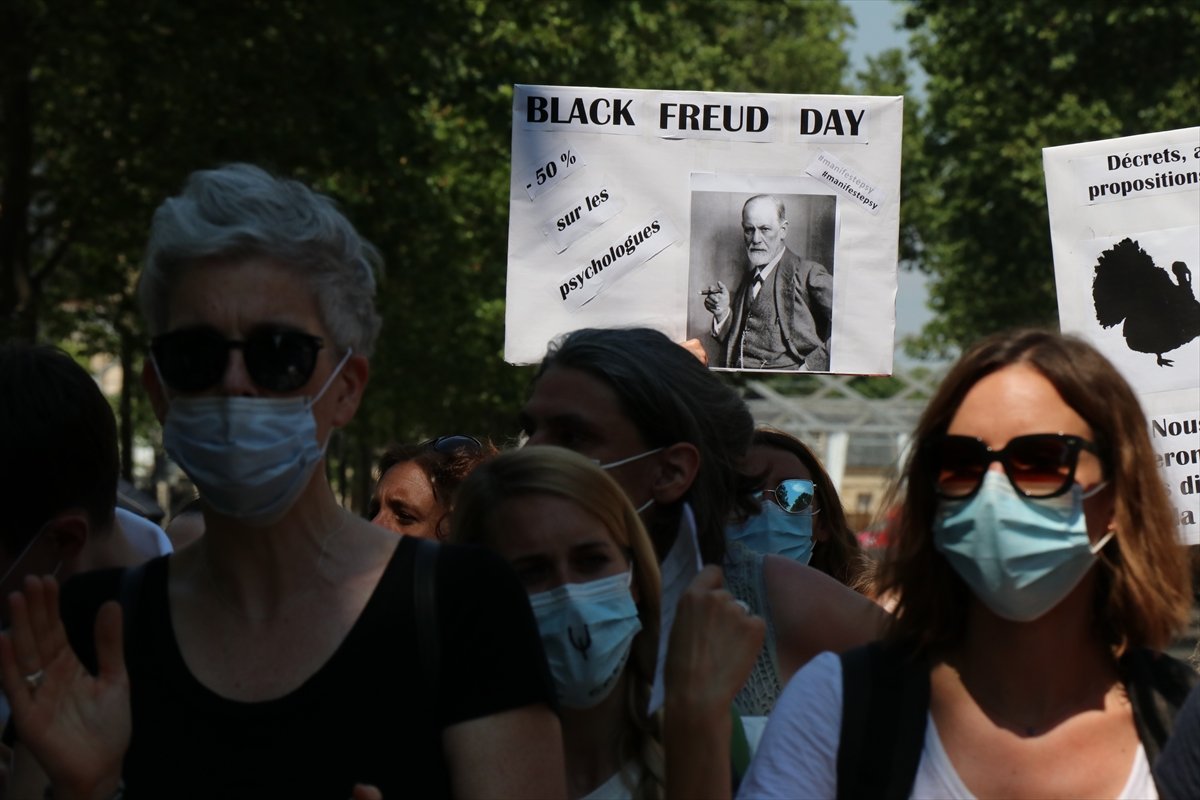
pixel 1038 579
pixel 580 550
pixel 801 515
pixel 674 436
pixel 294 649
pixel 414 493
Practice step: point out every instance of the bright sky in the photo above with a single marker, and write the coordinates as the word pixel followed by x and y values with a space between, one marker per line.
pixel 877 31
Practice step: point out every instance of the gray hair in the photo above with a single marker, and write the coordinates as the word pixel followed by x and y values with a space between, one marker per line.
pixel 240 211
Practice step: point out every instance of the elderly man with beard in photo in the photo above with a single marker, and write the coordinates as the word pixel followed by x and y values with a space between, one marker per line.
pixel 780 315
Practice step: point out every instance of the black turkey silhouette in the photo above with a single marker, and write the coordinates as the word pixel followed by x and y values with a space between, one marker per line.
pixel 1159 315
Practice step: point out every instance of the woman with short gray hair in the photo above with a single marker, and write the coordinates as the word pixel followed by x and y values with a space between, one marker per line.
pixel 295 650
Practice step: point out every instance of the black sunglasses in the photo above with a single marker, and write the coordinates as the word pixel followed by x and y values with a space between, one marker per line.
pixel 1037 465
pixel 794 495
pixel 277 359
pixel 454 443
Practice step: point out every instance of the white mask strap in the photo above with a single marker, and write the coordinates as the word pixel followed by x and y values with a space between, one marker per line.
pixel 16 562
pixel 613 464
pixel 1098 546
pixel 332 375
pixel 1095 490
pixel 645 505
pixel 162 385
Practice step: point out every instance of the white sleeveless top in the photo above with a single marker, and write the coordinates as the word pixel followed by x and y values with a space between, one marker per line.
pixel 798 753
pixel 937 780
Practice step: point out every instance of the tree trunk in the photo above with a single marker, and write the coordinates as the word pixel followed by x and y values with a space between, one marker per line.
pixel 18 316
pixel 125 405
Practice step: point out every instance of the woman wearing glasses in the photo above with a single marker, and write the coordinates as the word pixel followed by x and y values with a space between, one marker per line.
pixel 1038 578
pixel 281 655
pixel 417 482
pixel 577 545
pixel 795 521
pixel 806 521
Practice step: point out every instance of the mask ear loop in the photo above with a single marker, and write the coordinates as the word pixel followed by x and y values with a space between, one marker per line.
pixel 329 381
pixel 25 552
pixel 1098 546
pixel 1092 492
pixel 630 459
pixel 161 383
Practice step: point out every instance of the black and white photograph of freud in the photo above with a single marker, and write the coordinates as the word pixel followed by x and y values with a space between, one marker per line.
pixel 761 279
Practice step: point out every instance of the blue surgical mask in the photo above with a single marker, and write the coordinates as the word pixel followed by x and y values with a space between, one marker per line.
pixel 776 532
pixel 587 631
pixel 250 457
pixel 1020 556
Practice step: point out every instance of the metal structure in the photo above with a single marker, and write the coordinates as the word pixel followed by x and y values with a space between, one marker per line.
pixel 846 427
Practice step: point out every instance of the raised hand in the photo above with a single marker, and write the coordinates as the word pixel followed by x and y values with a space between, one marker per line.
pixel 716 300
pixel 714 644
pixel 694 347
pixel 77 726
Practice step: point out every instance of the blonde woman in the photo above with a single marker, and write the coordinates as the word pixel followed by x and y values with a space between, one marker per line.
pixel 579 548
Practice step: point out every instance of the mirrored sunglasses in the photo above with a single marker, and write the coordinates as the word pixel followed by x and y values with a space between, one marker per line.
pixel 794 495
pixel 454 443
pixel 1037 465
pixel 277 359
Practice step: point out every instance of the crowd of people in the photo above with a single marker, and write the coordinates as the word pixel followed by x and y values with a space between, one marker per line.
pixel 649 599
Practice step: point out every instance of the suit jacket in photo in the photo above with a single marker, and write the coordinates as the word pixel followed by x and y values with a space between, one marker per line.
pixel 788 325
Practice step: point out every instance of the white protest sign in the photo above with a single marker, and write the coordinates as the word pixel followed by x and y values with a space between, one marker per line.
pixel 1176 440
pixel 1125 230
pixel 631 208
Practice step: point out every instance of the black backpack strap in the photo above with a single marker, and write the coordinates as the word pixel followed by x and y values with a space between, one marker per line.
pixel 885 706
pixel 1157 686
pixel 429 645
pixel 128 593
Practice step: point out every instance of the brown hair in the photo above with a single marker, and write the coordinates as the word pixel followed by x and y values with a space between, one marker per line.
pixel 1143 592
pixel 446 470
pixel 838 555
pixel 542 469
pixel 670 397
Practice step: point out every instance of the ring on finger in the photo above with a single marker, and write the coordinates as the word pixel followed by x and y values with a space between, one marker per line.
pixel 35 679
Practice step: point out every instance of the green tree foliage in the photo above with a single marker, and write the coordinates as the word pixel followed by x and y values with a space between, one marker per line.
pixel 401 111
pixel 1005 81
pixel 887 74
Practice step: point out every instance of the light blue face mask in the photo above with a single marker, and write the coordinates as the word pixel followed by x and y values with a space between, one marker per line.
pixel 1020 556
pixel 776 532
pixel 250 457
pixel 587 631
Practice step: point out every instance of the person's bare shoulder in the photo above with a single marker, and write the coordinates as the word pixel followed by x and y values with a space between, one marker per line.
pixel 813 613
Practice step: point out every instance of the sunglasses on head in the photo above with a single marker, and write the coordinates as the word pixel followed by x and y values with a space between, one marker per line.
pixel 277 359
pixel 793 495
pixel 1037 465
pixel 454 443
